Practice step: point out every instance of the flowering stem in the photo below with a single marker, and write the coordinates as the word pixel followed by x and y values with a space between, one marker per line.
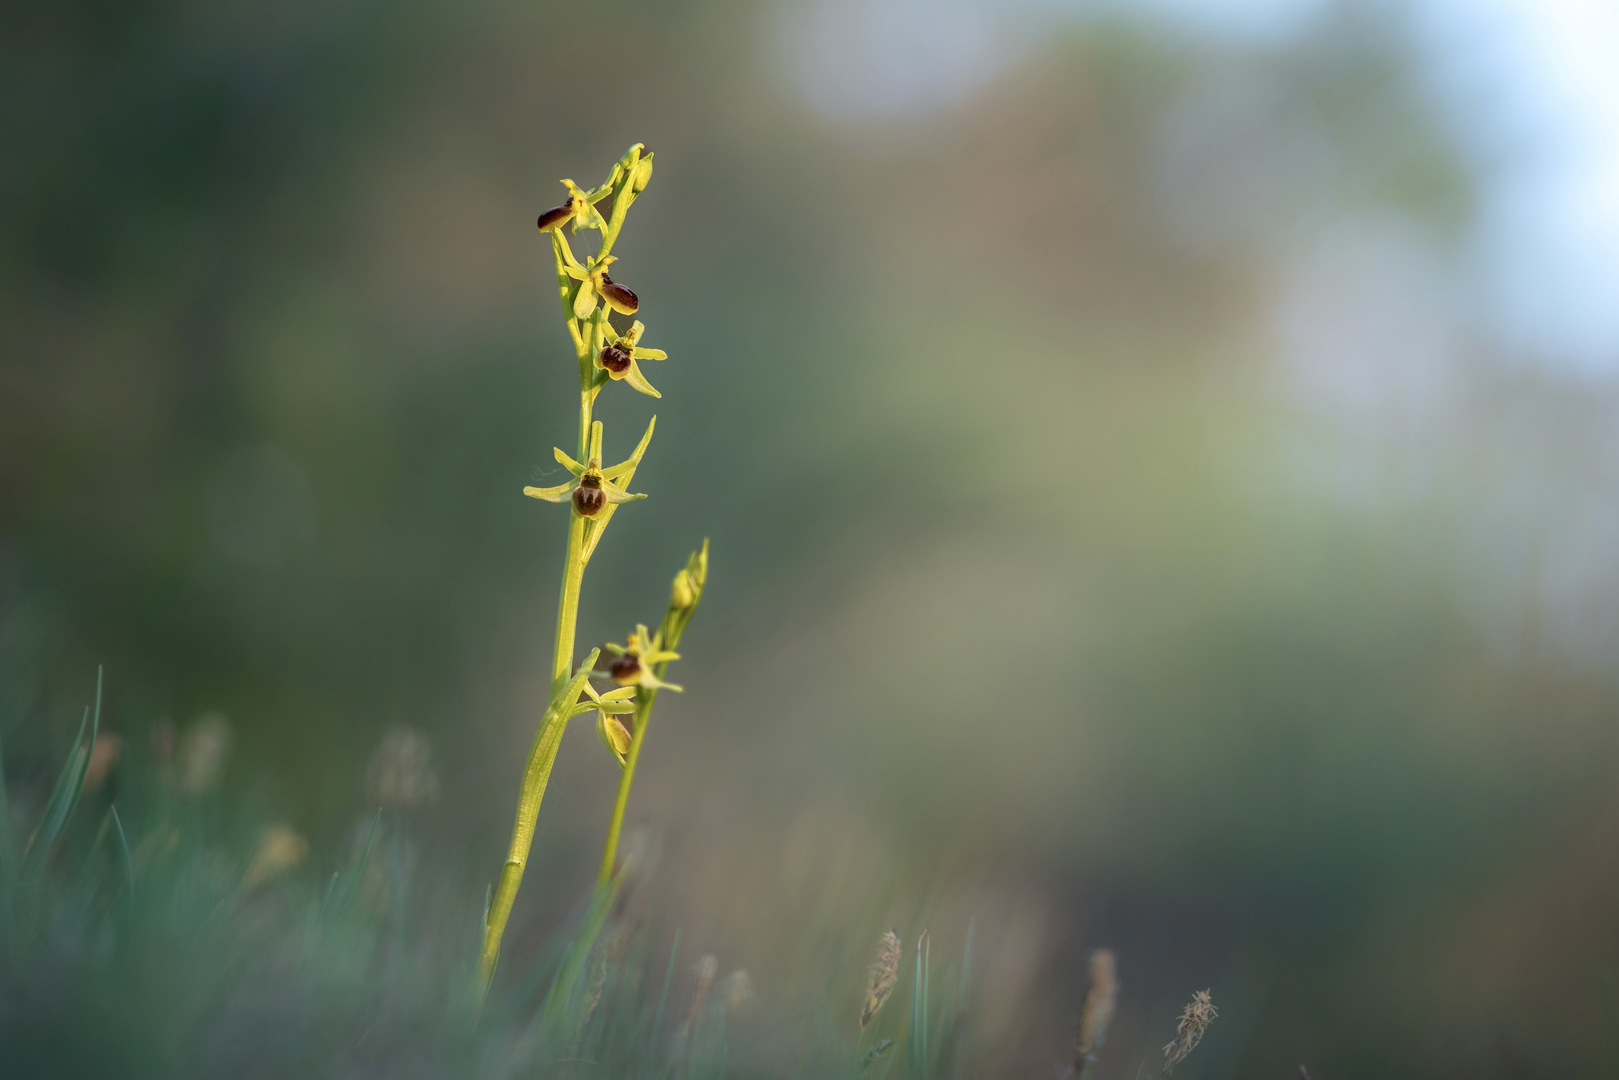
pixel 587 334
pixel 564 692
pixel 542 756
pixel 643 711
pixel 674 625
pixel 573 576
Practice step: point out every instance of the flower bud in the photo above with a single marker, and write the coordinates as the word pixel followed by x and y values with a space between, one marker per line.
pixel 682 596
pixel 631 158
pixel 588 497
pixel 643 174
pixel 619 298
pixel 557 215
pixel 614 358
pixel 626 670
pixel 613 734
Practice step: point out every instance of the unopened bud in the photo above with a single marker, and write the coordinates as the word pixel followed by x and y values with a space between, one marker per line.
pixel 613 734
pixel 588 497
pixel 618 297
pixel 627 163
pixel 557 215
pixel 643 174
pixel 682 596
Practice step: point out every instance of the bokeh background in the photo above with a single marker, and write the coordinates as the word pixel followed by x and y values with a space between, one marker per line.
pixel 1159 460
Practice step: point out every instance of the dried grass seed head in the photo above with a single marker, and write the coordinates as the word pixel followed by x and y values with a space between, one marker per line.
pixel 882 975
pixel 1194 1021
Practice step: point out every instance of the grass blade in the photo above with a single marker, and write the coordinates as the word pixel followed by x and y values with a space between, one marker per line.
pixel 916 1042
pixel 8 843
pixel 123 846
pixel 69 785
pixel 351 886
pixel 8 865
pixel 663 998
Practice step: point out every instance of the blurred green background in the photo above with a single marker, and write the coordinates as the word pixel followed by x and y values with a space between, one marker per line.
pixel 1130 525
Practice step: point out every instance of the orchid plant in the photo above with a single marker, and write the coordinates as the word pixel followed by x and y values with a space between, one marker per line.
pixel 607 355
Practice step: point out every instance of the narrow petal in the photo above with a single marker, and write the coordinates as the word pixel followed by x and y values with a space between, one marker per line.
pixel 616 494
pixel 551 494
pixel 650 354
pixel 563 459
pixel 634 377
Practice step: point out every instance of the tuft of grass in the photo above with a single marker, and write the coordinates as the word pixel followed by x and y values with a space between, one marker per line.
pixel 185 937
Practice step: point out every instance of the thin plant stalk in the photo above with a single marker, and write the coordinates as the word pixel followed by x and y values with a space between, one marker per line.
pixel 587 333
pixel 683 597
pixel 683 601
pixel 536 775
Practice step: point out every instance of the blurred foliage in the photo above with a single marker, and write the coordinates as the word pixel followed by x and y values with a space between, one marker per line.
pixel 1085 619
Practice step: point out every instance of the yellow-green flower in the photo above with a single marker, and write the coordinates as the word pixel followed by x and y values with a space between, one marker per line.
pixel 635 659
pixel 609 728
pixel 594 283
pixel 579 209
pixel 591 489
pixel 618 358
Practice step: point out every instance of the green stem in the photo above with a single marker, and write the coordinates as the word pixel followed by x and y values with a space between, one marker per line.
pixel 643 711
pixel 621 206
pixel 670 632
pixel 536 775
pixel 548 739
pixel 573 575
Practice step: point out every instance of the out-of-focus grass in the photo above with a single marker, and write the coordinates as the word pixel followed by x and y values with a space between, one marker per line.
pixel 205 946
